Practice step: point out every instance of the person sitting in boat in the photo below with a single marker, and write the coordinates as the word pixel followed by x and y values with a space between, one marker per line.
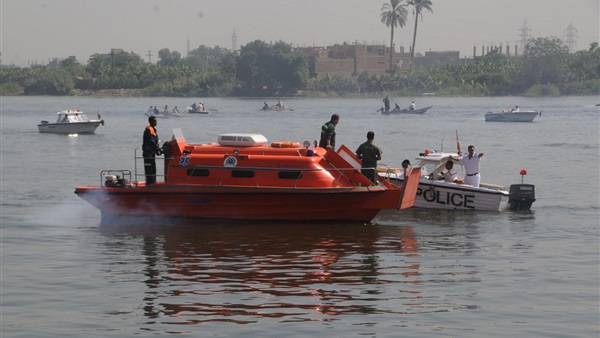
pixel 412 106
pixel 166 110
pixel 175 111
pixel 515 109
pixel 279 104
pixel 451 175
pixel 155 111
pixel 194 106
pixel 265 105
pixel 397 107
pixel 149 112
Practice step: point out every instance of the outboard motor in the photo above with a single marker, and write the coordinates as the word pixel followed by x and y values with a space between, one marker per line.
pixel 521 196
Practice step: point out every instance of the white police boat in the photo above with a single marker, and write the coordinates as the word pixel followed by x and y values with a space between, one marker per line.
pixel 71 122
pixel 435 193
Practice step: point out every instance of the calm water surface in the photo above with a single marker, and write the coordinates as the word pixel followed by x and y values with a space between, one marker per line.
pixel 414 273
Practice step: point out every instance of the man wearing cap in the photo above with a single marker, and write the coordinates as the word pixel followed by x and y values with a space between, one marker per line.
pixel 328 132
pixel 369 154
pixel 471 163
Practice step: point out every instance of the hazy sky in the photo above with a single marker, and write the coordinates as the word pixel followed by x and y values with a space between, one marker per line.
pixel 39 30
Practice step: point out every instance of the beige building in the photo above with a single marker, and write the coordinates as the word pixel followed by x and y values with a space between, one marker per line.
pixel 351 60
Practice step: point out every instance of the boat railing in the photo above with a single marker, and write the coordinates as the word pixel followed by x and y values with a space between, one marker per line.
pixel 137 157
pixel 259 170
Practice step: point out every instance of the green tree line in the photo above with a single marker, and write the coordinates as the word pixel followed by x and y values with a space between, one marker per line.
pixel 277 69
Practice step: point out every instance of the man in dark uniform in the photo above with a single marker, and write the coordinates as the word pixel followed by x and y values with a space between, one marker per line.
pixel 328 132
pixel 150 149
pixel 369 154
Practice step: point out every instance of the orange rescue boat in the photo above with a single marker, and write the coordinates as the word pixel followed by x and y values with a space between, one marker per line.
pixel 242 177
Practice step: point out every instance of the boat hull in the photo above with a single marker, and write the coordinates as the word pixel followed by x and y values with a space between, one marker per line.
pixel 69 128
pixel 406 111
pixel 249 203
pixel 453 196
pixel 511 117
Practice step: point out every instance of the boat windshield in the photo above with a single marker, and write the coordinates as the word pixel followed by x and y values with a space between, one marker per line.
pixel 72 118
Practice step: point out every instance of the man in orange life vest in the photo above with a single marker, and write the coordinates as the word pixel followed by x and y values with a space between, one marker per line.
pixel 150 149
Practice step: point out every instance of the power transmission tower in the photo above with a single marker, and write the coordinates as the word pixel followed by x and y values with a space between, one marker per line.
pixel 234 40
pixel 524 34
pixel 570 37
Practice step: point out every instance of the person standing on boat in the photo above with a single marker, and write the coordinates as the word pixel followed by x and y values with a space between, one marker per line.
pixel 150 149
pixel 328 132
pixel 386 103
pixel 471 163
pixel 369 154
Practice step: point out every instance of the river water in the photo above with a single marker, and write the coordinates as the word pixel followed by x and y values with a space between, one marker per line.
pixel 413 273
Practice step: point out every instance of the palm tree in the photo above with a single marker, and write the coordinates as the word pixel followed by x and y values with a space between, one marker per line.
pixel 419 6
pixel 392 15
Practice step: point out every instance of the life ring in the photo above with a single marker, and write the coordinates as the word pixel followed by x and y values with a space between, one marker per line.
pixel 285 144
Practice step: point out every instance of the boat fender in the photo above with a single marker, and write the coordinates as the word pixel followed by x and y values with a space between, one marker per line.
pixel 405 164
pixel 166 149
pixel 102 122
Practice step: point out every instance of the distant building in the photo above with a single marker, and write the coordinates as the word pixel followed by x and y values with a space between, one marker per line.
pixel 351 60
pixel 438 58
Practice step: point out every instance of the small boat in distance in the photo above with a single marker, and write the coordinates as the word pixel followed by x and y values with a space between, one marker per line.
pixel 276 107
pixel 197 110
pixel 71 122
pixel 242 177
pixel 404 111
pixel 435 192
pixel 512 116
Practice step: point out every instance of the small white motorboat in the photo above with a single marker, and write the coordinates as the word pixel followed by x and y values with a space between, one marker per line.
pixel 512 116
pixel 435 193
pixel 70 122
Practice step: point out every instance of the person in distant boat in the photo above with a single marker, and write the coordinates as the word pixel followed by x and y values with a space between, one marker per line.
pixel 265 105
pixel 397 107
pixel 166 110
pixel 155 111
pixel 150 149
pixel 150 110
pixel 279 104
pixel 369 154
pixel 451 175
pixel 175 110
pixel 413 106
pixel 328 132
pixel 194 106
pixel 515 109
pixel 471 163
pixel 386 103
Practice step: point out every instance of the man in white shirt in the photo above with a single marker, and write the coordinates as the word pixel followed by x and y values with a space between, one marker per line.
pixel 471 163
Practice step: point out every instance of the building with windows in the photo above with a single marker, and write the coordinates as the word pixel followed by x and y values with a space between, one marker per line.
pixel 349 60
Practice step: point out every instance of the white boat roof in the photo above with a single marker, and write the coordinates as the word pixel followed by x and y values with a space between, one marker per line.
pixel 433 157
pixel 242 140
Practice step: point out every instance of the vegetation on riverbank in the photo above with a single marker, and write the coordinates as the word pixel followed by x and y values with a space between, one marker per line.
pixel 260 69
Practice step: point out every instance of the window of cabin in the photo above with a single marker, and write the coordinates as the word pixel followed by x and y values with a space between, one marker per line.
pixel 198 172
pixel 242 173
pixel 289 175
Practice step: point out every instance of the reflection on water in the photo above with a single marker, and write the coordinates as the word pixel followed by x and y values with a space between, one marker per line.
pixel 297 272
